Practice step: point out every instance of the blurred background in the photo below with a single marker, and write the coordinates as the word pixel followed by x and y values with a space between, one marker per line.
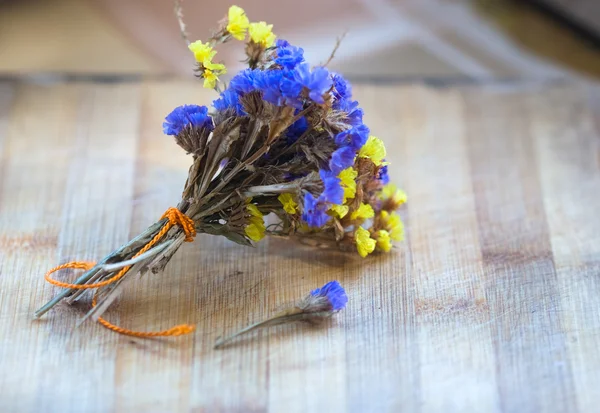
pixel 387 39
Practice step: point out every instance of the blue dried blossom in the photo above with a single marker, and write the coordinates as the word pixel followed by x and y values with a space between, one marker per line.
pixel 355 137
pixel 277 86
pixel 335 294
pixel 342 158
pixel 296 130
pixel 288 56
pixel 185 115
pixel 383 175
pixel 314 212
pixel 333 193
pixel 318 82
pixel 354 114
pixel 229 99
pixel 291 90
pixel 342 89
pixel 245 81
pixel 269 83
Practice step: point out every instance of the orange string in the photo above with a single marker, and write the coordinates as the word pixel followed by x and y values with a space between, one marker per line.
pixel 175 217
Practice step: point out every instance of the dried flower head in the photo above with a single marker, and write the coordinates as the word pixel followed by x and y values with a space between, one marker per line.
pixel 317 306
pixel 330 297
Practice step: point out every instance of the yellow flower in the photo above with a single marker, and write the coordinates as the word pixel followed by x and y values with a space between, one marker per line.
pixel 384 242
pixel 289 205
pixel 211 73
pixel 217 68
pixel 253 209
pixel 374 149
pixel 347 178
pixel 203 52
pixel 340 210
pixel 364 211
pixel 237 22
pixel 392 193
pixel 261 33
pixel 393 224
pixel 364 243
pixel 255 230
pixel 210 79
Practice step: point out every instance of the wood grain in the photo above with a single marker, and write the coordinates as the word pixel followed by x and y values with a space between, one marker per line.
pixel 490 305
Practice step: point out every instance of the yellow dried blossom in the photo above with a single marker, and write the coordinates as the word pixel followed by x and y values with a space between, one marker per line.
pixel 348 183
pixel 289 205
pixel 364 211
pixel 211 73
pixel 374 149
pixel 392 193
pixel 340 210
pixel 393 224
pixel 237 22
pixel 384 242
pixel 364 243
pixel 203 52
pixel 255 230
pixel 261 33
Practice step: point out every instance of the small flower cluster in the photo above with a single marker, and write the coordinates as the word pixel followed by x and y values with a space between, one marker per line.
pixel 287 139
pixel 260 34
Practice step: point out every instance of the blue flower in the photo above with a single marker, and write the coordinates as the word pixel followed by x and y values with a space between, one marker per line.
pixel 383 175
pixel 333 193
pixel 296 130
pixel 269 83
pixel 245 81
pixel 355 137
pixel 342 158
pixel 288 56
pixel 354 114
pixel 314 213
pixel 185 115
pixel 342 89
pixel 335 294
pixel 318 82
pixel 229 99
pixel 291 90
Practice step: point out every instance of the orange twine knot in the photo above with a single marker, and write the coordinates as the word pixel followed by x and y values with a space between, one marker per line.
pixel 175 217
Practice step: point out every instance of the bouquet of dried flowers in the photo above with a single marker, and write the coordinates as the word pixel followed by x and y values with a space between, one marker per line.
pixel 283 139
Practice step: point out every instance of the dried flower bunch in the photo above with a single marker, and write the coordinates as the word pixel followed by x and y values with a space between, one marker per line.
pixel 282 138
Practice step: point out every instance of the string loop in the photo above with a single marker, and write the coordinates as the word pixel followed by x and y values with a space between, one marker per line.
pixel 175 217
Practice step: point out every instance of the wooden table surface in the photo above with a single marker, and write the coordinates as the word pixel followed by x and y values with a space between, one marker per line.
pixel 491 304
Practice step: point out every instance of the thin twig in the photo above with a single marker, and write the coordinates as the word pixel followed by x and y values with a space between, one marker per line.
pixel 338 42
pixel 107 300
pixel 150 253
pixel 273 321
pixel 270 189
pixel 179 16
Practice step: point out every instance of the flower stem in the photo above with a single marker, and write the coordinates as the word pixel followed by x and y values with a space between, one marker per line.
pixel 270 189
pixel 292 315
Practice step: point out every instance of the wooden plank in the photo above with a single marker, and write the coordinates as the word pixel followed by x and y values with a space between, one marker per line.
pixel 569 169
pixel 456 356
pixel 490 304
pixel 36 150
pixel 521 283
